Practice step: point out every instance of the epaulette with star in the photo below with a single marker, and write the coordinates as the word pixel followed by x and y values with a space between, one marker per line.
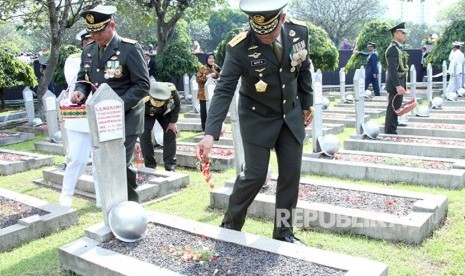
pixel 128 40
pixel 238 38
pixel 298 22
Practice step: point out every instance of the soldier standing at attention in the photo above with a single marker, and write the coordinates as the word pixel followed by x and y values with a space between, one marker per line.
pixel 118 62
pixel 274 107
pixel 396 81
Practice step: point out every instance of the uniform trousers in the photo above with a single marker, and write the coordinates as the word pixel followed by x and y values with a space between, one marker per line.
pixel 79 150
pixel 374 82
pixel 203 113
pixel 250 181
pixel 129 144
pixel 455 85
pixel 390 124
pixel 169 143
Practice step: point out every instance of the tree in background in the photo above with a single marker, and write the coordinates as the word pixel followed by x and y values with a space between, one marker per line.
pixel 65 52
pixel 14 73
pixel 453 12
pixel 416 34
pixel 11 37
pixel 375 31
pixel 339 18
pixel 60 15
pixel 168 13
pixel 176 59
pixel 221 22
pixel 198 30
pixel 443 46
pixel 323 53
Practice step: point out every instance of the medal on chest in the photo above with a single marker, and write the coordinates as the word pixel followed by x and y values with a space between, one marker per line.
pixel 113 68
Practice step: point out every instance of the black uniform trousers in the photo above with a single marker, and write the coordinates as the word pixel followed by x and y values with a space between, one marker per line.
pixel 390 124
pixel 169 143
pixel 250 181
pixel 129 144
pixel 374 82
pixel 203 113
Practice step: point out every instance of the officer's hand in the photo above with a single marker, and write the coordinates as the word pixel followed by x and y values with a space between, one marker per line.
pixel 400 90
pixel 308 116
pixel 202 149
pixel 138 152
pixel 172 127
pixel 78 97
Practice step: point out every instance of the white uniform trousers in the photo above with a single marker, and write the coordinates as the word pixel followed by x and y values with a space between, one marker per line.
pixel 78 155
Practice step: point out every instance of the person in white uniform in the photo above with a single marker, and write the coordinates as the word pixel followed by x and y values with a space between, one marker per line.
pixel 77 130
pixel 456 59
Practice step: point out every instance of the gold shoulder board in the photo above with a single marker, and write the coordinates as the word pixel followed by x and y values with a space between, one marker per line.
pixel 298 22
pixel 238 38
pixel 146 99
pixel 128 40
pixel 75 55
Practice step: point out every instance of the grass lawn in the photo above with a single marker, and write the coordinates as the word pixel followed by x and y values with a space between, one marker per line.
pixel 441 254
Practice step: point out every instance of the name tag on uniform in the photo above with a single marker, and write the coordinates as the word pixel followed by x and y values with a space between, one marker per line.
pixel 257 62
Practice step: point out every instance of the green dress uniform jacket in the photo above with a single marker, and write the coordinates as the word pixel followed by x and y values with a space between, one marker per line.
pixel 129 78
pixel 288 91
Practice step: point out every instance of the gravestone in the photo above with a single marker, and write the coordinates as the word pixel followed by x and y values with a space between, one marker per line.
pixel 105 111
pixel 429 87
pixel 342 84
pixel 29 104
pixel 50 107
pixel 210 85
pixel 317 123
pixel 444 77
pixel 413 81
pixel 359 88
pixel 236 131
pixel 194 88
pixel 463 74
pixel 380 72
pixel 61 122
pixel 187 91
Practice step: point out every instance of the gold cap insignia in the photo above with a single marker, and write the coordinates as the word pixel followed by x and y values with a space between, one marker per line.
pixel 259 18
pixel 90 18
pixel 291 33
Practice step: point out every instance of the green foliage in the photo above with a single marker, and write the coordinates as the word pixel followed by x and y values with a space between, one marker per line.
pixel 221 50
pixel 444 44
pixel 323 53
pixel 176 59
pixel 199 31
pixel 14 72
pixel 221 22
pixel 375 31
pixel 65 51
pixel 12 39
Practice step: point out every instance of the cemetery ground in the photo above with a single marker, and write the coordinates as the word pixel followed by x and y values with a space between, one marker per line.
pixel 441 254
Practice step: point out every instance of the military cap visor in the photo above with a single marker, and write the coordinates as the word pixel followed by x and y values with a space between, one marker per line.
pixel 372 44
pixel 400 27
pixel 98 18
pixel 159 90
pixel 263 17
pixel 457 44
pixel 83 34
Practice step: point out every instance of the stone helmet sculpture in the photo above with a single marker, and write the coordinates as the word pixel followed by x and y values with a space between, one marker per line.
pixel 57 137
pixel 128 221
pixel 437 102
pixel 422 111
pixel 368 93
pixel 37 122
pixel 371 129
pixel 461 92
pixel 325 102
pixel 329 144
pixel 451 96
pixel 349 98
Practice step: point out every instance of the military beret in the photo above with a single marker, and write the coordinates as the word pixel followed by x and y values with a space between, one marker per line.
pixel 83 34
pixel 98 17
pixel 263 15
pixel 399 27
pixel 159 90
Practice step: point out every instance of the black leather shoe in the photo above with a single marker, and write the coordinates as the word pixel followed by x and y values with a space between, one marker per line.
pixel 227 226
pixel 292 239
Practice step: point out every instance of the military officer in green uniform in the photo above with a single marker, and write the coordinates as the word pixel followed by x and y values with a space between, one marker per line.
pixel 396 82
pixel 275 101
pixel 119 62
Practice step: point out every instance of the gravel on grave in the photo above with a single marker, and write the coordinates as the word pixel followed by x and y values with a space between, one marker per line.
pixel 425 140
pixel 435 126
pixel 141 177
pixel 400 206
pixel 172 249
pixel 11 211
pixel 6 156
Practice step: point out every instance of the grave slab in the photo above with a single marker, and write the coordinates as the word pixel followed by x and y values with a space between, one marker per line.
pixel 158 184
pixel 12 162
pixel 327 129
pixel 410 145
pixel 39 130
pixel 411 226
pixel 189 125
pixel 86 257
pixel 13 116
pixel 373 113
pixel 439 119
pixel 192 115
pixel 448 109
pixel 459 103
pixel 10 137
pixel 385 167
pixel 431 130
pixel 50 147
pixel 185 108
pixel 12 123
pixel 221 157
pixel 35 227
pixel 348 120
